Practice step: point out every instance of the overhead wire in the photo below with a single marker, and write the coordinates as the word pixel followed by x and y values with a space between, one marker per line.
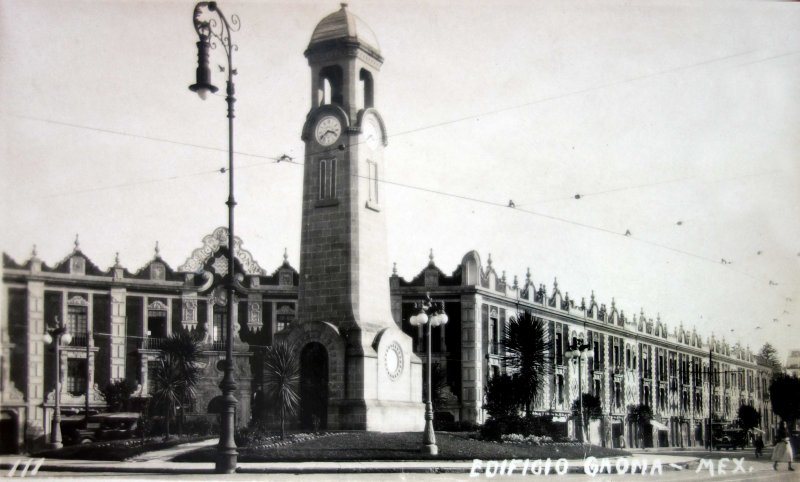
pixel 286 159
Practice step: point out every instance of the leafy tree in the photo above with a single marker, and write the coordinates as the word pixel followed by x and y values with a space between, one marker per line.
pixel 640 415
pixel 784 391
pixel 592 408
pixel 501 397
pixel 282 380
pixel 769 356
pixel 526 344
pixel 748 417
pixel 176 374
pixel 117 394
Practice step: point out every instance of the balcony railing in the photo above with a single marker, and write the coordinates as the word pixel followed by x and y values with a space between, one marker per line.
pixel 494 348
pixel 152 343
pixel 79 340
pixel 218 345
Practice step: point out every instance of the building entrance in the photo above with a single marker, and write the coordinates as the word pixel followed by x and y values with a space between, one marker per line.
pixel 314 387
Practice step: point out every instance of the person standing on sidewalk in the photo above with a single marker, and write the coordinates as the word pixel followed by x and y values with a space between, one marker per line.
pixel 758 443
pixel 783 449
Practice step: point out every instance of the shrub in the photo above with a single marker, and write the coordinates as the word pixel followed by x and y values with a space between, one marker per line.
pixel 495 428
pixel 200 426
pixel 454 426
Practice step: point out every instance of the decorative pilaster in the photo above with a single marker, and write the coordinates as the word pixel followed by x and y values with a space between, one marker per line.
pixel 472 360
pixel 36 349
pixel 118 319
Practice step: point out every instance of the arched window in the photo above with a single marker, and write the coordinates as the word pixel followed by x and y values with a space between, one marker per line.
pixel 367 89
pixel 330 85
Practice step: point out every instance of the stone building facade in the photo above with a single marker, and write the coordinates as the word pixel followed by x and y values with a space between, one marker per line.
pixel 632 360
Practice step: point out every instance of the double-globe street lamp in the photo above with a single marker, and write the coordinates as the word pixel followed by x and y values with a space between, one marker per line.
pixel 212 27
pixel 56 335
pixel 431 313
pixel 576 350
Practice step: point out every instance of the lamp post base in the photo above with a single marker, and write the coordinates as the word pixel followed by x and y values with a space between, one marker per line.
pixel 431 449
pixel 227 460
pixel 55 435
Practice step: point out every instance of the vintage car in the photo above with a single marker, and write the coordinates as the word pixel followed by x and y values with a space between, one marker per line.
pixel 730 438
pixel 102 426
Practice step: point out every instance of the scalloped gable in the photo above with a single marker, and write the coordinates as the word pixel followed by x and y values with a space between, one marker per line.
pixel 443 279
pixel 211 244
pixel 63 266
pixel 147 271
pixel 10 263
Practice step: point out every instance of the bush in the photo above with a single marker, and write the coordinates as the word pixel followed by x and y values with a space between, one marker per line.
pixel 495 428
pixel 454 426
pixel 200 426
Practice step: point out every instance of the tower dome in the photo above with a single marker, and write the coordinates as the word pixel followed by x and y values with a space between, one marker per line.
pixel 343 25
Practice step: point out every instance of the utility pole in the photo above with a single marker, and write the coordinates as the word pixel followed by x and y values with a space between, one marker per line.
pixel 710 399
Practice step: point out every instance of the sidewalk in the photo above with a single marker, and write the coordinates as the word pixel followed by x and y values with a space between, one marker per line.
pixel 154 465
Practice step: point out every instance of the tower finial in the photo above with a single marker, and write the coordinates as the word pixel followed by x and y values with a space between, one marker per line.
pixel 394 269
pixel 285 256
pixel 77 243
pixel 516 285
pixel 430 258
pixel 343 5
pixel 33 252
pixel 157 250
pixel 555 284
pixel 503 277
pixel 489 261
pixel 528 274
pixel 116 260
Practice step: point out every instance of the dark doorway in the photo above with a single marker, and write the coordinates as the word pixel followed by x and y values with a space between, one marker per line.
pixel 8 433
pixel 314 387
pixel 617 438
pixel 647 436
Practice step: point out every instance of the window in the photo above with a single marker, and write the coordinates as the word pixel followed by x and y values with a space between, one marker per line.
pixel 285 315
pixel 617 395
pixel 494 336
pixel 616 354
pixel 597 388
pixel 220 321
pixel 628 357
pixel 156 323
pixel 596 354
pixel 372 174
pixel 327 178
pixel 646 395
pixel 76 320
pixel 559 350
pixel 560 388
pixel 76 376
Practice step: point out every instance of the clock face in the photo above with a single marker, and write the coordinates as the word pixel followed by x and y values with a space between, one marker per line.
pixel 328 130
pixel 371 130
pixel 394 360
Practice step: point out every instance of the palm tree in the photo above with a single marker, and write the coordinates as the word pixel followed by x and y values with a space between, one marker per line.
pixel 526 344
pixel 176 374
pixel 281 380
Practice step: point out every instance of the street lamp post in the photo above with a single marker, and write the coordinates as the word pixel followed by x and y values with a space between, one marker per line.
pixel 211 29
pixel 56 335
pixel 576 351
pixel 437 317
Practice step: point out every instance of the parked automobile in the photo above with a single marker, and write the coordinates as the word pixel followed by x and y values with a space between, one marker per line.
pixel 730 438
pixel 103 426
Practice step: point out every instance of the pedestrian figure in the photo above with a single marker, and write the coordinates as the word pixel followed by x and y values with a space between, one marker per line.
pixel 758 443
pixel 783 449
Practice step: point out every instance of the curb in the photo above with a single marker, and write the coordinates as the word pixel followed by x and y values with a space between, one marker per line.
pixel 403 467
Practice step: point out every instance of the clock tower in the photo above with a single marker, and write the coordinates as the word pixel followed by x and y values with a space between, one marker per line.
pixel 358 370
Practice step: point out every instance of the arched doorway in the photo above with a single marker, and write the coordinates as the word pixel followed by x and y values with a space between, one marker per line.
pixel 314 386
pixel 8 428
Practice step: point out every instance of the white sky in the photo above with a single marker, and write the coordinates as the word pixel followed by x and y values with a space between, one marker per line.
pixel 553 98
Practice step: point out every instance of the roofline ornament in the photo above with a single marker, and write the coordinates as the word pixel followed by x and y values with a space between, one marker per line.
pixel 211 244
